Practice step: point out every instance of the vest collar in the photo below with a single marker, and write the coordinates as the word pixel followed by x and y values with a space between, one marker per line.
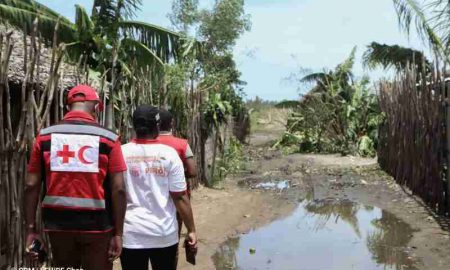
pixel 144 141
pixel 79 115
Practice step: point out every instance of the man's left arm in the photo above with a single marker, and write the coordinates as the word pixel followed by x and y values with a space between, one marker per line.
pixel 191 167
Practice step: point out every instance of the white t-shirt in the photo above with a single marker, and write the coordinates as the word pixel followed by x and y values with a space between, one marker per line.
pixel 154 171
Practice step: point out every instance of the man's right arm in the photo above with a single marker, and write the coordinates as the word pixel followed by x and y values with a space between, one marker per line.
pixel 183 205
pixel 32 190
pixel 31 197
pixel 178 192
pixel 33 184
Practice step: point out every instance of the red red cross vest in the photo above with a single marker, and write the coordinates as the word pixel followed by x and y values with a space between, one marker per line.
pixel 180 145
pixel 75 162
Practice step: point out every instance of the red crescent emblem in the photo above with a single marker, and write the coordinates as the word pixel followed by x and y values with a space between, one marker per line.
pixel 81 155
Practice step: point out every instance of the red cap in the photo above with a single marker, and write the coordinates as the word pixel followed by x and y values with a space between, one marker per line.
pixel 86 93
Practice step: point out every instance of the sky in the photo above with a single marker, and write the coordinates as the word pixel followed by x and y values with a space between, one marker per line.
pixel 288 35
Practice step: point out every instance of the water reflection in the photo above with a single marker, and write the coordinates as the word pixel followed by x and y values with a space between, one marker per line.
pixel 387 243
pixel 280 185
pixel 323 210
pixel 324 234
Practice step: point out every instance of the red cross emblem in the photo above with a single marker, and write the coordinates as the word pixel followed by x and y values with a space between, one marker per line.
pixel 65 153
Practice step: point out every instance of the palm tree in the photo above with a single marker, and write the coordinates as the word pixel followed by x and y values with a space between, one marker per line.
pixel 431 19
pixel 110 20
pixel 108 39
pixel 388 56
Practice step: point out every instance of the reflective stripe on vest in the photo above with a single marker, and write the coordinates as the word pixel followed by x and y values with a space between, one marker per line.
pixel 80 129
pixel 73 202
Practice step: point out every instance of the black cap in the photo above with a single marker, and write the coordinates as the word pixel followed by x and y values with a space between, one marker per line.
pixel 165 120
pixel 145 116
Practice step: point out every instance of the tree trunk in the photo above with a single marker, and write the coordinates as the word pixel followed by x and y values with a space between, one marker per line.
pixel 110 124
pixel 213 165
pixel 447 126
pixel 109 121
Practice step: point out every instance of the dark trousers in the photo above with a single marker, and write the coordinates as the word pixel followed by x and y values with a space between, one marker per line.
pixel 80 250
pixel 160 258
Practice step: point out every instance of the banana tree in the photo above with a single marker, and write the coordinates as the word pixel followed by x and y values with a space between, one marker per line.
pixel 107 40
pixel 337 115
pixel 215 112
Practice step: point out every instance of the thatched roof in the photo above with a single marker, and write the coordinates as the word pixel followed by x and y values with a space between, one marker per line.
pixel 16 64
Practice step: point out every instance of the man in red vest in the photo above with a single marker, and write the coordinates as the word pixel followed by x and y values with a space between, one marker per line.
pixel 181 146
pixel 80 166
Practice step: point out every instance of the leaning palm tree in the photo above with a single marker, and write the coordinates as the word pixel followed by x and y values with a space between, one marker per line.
pixel 107 40
pixel 394 56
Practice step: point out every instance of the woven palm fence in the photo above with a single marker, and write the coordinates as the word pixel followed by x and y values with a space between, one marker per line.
pixel 412 140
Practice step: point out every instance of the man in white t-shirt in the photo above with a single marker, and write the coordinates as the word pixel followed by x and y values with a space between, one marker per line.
pixel 156 189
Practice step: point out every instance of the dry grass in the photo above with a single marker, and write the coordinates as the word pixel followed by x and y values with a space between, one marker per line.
pixel 269 119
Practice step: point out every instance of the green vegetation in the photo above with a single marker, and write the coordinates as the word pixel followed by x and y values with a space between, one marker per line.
pixel 108 41
pixel 286 104
pixel 339 115
pixel 231 162
pixel 110 27
pixel 210 74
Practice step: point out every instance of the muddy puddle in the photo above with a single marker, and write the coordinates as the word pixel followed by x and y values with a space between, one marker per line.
pixel 323 235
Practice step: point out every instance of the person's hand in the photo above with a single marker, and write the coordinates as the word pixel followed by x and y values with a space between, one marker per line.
pixel 31 236
pixel 115 247
pixel 191 241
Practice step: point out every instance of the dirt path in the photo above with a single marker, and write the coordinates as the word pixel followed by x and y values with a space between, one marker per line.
pixel 236 208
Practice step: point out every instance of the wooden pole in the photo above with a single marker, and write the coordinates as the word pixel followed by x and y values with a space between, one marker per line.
pixel 447 144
